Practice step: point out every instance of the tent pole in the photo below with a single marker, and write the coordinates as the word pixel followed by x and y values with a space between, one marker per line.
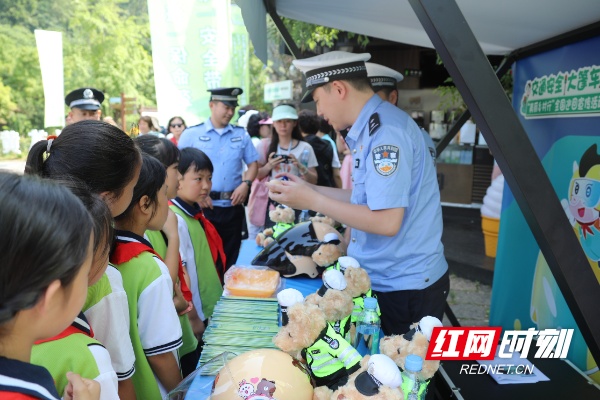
pixel 484 96
pixel 283 31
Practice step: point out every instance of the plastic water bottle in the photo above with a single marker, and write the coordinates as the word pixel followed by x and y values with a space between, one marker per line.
pixel 368 326
pixel 303 217
pixel 411 384
pixel 304 157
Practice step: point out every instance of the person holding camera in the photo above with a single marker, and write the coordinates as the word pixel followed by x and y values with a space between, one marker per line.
pixel 286 152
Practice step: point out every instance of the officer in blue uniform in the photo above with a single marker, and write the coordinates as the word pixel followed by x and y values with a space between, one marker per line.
pixel 394 208
pixel 85 104
pixel 228 148
pixel 384 80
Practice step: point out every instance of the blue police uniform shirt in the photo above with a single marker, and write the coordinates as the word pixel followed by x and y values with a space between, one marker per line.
pixel 393 169
pixel 226 152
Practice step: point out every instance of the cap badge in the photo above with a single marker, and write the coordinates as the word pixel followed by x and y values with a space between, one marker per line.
pixel 235 92
pixel 88 94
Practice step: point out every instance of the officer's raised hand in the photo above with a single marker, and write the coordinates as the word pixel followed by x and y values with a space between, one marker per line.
pixel 293 193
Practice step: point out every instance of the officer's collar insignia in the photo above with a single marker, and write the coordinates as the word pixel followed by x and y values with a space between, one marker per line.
pixel 88 94
pixel 367 384
pixel 374 123
pixel 385 159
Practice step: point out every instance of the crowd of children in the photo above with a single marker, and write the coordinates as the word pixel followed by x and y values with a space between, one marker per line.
pixel 72 323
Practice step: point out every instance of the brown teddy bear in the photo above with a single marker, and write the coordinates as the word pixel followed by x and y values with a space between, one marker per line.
pixel 415 341
pixel 284 218
pixel 377 379
pixel 323 219
pixel 307 336
pixel 335 303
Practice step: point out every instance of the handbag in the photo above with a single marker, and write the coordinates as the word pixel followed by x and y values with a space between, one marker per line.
pixel 259 194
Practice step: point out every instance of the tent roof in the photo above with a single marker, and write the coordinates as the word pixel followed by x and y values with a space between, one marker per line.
pixel 499 26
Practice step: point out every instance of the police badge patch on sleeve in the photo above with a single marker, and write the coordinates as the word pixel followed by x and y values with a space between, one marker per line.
pixel 385 159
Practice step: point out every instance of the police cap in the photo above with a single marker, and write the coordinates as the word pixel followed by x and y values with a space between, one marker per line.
pixel 229 96
pixel 85 99
pixel 329 67
pixel 382 76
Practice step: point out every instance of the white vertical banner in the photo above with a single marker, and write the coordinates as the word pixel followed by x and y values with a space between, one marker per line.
pixel 50 52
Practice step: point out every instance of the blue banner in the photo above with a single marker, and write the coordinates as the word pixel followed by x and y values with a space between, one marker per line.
pixel 557 97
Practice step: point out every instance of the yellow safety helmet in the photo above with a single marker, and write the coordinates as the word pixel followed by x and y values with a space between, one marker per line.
pixel 265 374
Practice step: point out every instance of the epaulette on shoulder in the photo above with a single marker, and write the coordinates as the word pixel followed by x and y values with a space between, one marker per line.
pixel 200 124
pixel 374 123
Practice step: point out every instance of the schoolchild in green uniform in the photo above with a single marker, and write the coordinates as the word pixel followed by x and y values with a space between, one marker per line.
pixel 154 327
pixel 167 239
pixel 108 162
pixel 75 349
pixel 46 259
pixel 200 245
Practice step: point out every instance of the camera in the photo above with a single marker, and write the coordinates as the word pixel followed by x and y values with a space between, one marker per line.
pixel 285 157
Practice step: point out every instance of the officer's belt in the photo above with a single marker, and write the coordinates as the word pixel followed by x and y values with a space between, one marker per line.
pixel 220 195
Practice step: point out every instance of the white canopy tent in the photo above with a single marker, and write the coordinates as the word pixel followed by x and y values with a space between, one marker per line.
pixel 499 26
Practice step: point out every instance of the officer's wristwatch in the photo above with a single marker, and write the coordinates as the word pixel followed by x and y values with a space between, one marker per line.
pixel 248 182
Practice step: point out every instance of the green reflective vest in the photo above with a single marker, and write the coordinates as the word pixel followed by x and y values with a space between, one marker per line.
pixel 279 228
pixel 331 357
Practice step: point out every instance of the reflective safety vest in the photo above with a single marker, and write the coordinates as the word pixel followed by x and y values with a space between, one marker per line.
pixel 331 359
pixel 279 228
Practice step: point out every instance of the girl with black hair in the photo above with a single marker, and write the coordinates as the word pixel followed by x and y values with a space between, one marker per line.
pixel 166 243
pixel 154 328
pixel 175 128
pixel 41 291
pixel 75 348
pixel 108 162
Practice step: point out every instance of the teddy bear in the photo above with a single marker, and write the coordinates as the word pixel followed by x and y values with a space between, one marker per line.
pixel 308 337
pixel 284 218
pixel 326 255
pixel 334 301
pixel 378 379
pixel 415 341
pixel 323 219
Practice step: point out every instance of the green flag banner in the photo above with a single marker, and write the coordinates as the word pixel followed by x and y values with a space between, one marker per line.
pixel 196 45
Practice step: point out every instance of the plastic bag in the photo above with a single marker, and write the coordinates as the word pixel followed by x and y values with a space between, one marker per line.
pixel 251 281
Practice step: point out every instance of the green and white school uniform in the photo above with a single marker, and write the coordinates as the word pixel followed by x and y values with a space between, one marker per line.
pixel 195 254
pixel 107 311
pixel 76 350
pixel 154 324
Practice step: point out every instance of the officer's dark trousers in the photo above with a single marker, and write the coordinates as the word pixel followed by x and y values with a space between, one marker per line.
pixel 402 308
pixel 229 223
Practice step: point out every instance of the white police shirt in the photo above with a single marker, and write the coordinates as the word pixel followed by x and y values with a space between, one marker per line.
pixel 392 168
pixel 227 151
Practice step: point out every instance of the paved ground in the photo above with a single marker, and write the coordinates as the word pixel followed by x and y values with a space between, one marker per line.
pixel 470 301
pixel 12 166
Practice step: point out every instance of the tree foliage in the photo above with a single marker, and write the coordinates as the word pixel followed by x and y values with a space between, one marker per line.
pixel 311 39
pixel 105 45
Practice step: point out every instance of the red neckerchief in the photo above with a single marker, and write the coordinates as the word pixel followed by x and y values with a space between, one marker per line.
pixel 214 242
pixel 125 251
pixel 71 330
